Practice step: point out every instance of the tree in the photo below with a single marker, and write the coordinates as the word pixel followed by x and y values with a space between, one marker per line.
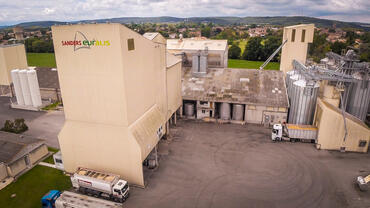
pixel 364 52
pixel 337 47
pixel 253 49
pixel 206 32
pixel 234 52
pixel 18 126
pixel 270 45
pixel 319 47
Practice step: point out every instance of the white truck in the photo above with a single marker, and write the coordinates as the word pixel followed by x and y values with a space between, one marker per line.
pixel 67 199
pixel 100 184
pixel 294 132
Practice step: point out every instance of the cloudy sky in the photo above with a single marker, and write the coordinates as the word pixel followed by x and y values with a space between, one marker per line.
pixel 16 11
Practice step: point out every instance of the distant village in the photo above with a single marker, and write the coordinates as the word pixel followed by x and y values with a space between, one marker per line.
pixel 39 40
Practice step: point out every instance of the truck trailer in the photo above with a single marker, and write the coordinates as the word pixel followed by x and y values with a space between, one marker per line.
pixel 100 184
pixel 294 133
pixel 67 199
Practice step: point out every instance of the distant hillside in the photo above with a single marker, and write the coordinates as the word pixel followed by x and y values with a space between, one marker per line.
pixel 280 20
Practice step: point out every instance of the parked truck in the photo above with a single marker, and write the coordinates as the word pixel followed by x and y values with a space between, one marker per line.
pixel 294 133
pixel 100 184
pixel 56 199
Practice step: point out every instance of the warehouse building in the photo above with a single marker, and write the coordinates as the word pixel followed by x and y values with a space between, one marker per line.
pixel 199 52
pixel 11 57
pixel 119 91
pixel 236 95
pixel 18 153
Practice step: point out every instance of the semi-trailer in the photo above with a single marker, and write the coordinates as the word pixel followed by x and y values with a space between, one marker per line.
pixel 67 199
pixel 294 133
pixel 100 184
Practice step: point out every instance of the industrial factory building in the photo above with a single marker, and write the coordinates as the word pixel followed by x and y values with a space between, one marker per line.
pixel 119 91
pixel 239 95
pixel 200 53
pixel 11 57
pixel 333 97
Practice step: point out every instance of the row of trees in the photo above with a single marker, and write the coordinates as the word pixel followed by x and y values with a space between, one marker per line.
pixel 36 45
pixel 257 49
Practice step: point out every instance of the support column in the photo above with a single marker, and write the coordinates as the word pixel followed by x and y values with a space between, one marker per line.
pixel 181 112
pixel 167 128
pixel 174 118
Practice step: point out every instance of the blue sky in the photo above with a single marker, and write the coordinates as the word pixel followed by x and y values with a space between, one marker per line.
pixel 16 11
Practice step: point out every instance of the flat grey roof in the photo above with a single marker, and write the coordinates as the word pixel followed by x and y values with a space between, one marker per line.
pixel 15 146
pixel 47 78
pixel 244 86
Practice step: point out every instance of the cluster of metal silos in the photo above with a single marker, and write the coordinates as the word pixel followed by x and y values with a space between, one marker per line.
pixel 26 87
pixel 235 113
pixel 358 101
pixel 302 96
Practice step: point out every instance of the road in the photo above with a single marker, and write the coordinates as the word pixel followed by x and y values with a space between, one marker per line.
pixel 43 125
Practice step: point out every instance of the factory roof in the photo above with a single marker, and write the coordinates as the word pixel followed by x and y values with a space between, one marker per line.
pixel 150 35
pixel 48 78
pixel 15 146
pixel 245 86
pixel 196 44
pixel 172 59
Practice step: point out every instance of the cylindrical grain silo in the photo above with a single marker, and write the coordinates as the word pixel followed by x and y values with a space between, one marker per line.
pixel 225 111
pixel 290 81
pixel 25 87
pixel 17 86
pixel 303 102
pixel 238 112
pixel 34 88
pixel 189 109
pixel 359 96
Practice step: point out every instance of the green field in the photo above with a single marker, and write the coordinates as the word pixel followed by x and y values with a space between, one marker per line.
pixel 244 64
pixel 30 187
pixel 41 59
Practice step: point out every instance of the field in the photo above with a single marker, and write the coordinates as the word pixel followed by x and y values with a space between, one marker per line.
pixel 244 64
pixel 41 59
pixel 30 187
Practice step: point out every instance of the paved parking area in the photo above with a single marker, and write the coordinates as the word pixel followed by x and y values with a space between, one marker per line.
pixel 43 125
pixel 211 165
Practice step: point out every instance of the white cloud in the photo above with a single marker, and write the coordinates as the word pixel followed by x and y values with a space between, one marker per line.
pixel 69 10
pixel 49 11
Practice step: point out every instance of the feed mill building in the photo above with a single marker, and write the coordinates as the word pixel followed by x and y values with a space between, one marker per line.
pixel 119 91
pixel 11 57
pixel 211 91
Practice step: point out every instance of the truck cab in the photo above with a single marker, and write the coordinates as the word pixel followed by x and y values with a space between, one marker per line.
pixel 277 132
pixel 121 189
pixel 48 200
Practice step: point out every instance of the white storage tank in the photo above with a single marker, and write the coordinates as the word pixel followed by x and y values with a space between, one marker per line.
pixel 238 112
pixel 303 102
pixel 34 88
pixel 290 80
pixel 17 86
pixel 25 87
pixel 225 111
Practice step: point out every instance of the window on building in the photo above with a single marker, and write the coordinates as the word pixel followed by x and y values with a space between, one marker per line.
pixel 130 44
pixel 203 102
pixel 58 161
pixel 362 143
pixel 303 35
pixel 293 35
pixel 203 111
